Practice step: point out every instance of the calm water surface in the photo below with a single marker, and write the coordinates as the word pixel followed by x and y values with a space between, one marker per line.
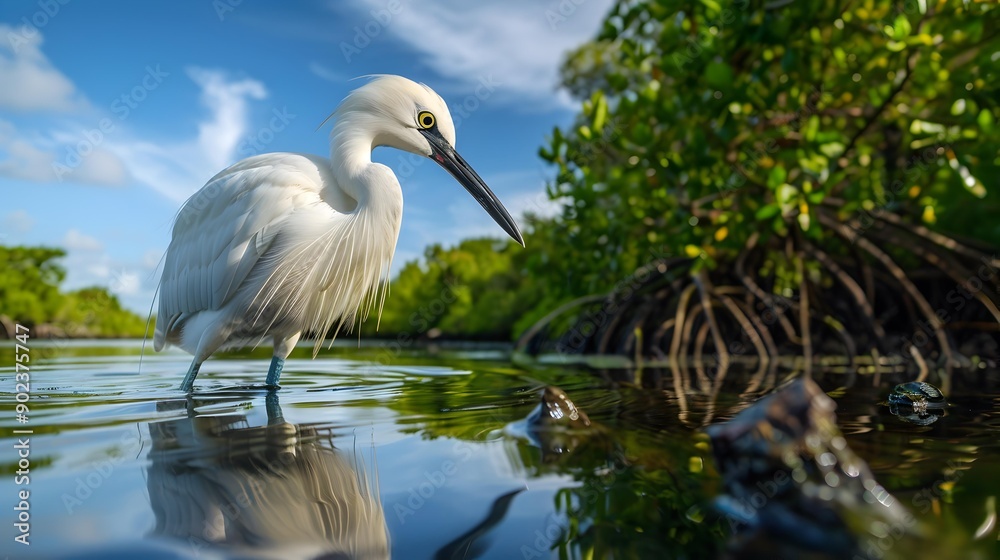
pixel 422 454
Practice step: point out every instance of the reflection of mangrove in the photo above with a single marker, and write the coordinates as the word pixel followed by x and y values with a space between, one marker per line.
pixel 857 309
pixel 279 490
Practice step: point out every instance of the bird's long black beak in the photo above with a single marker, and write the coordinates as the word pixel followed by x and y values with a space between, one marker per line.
pixel 448 158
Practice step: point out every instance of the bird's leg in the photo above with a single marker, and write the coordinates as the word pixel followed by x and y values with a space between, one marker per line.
pixel 188 382
pixel 209 342
pixel 274 372
pixel 282 348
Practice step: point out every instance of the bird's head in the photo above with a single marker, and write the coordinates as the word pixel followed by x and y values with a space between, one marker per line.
pixel 403 114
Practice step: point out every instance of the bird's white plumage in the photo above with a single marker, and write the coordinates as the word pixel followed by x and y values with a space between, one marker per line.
pixel 257 235
pixel 280 245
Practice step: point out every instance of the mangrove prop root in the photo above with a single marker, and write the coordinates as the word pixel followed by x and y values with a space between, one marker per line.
pixel 854 305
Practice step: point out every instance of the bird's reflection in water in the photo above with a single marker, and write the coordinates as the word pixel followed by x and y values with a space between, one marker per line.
pixel 276 491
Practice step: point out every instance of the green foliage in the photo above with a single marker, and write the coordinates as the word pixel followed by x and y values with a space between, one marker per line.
pixel 705 122
pixel 477 289
pixel 30 295
pixel 29 283
pixel 95 312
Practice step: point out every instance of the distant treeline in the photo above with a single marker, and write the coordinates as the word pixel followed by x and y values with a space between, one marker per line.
pixel 30 295
pixel 481 289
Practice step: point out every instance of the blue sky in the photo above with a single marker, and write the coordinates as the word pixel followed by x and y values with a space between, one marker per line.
pixel 113 113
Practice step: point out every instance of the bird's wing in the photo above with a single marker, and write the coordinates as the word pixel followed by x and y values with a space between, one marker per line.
pixel 223 230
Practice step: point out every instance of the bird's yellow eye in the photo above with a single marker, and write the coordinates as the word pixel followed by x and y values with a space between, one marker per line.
pixel 425 119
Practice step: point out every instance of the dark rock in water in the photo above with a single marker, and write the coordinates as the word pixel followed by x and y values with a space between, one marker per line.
pixel 793 487
pixel 557 409
pixel 557 426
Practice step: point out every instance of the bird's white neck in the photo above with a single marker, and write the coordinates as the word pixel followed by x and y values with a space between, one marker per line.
pixel 351 155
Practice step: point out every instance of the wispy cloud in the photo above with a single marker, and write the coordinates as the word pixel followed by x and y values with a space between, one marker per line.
pixel 71 149
pixel 18 221
pixel 521 43
pixel 41 158
pixel 74 240
pixel 176 169
pixel 227 101
pixel 325 73
pixel 133 282
pixel 30 82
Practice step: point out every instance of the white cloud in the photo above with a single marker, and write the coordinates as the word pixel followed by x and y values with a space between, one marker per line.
pixel 326 73
pixel 52 158
pixel 151 259
pixel 30 81
pixel 130 281
pixel 74 240
pixel 19 221
pixel 227 101
pixel 178 169
pixel 521 43
pixel 124 282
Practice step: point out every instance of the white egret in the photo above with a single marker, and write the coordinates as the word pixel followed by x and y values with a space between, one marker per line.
pixel 281 245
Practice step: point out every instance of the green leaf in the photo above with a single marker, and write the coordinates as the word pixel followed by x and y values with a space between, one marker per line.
pixel 768 211
pixel 777 177
pixel 600 112
pixel 787 196
pixel 901 28
pixel 985 120
pixel 719 75
pixel 832 149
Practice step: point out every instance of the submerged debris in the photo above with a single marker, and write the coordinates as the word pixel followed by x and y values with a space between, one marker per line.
pixel 789 477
